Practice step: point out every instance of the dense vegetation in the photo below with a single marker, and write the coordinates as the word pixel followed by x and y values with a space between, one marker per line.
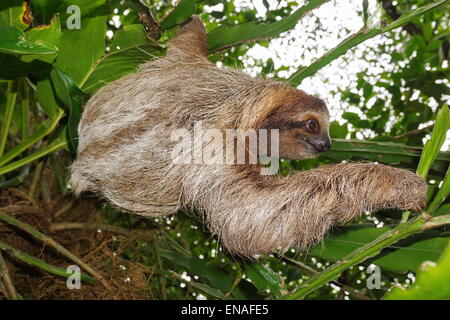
pixel 52 60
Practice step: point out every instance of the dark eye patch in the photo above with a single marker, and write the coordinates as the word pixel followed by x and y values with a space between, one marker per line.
pixel 283 124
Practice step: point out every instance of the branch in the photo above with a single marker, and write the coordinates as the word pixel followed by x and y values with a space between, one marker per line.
pixel 10 290
pixel 413 132
pixel 63 226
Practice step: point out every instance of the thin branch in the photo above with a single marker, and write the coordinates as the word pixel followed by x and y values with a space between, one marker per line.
pixel 10 290
pixel 63 226
pixel 413 132
pixel 150 24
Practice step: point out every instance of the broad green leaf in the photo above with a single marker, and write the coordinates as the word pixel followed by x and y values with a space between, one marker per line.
pixel 73 99
pixel 14 13
pixel 433 146
pixel 13 41
pixel 50 34
pixel 217 277
pixel 443 210
pixel 264 278
pixel 129 49
pixel 46 96
pixel 406 255
pixel 431 282
pixel 338 131
pixel 182 12
pixel 44 10
pixel 227 36
pixel 130 36
pixel 82 49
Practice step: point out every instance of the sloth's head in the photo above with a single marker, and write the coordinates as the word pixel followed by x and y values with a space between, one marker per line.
pixel 302 121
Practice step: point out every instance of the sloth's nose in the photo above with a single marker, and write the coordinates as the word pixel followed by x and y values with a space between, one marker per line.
pixel 322 143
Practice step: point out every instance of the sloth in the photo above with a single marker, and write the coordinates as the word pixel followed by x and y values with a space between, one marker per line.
pixel 125 154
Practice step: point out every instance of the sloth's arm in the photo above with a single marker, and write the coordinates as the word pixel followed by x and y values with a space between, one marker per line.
pixel 191 38
pixel 252 218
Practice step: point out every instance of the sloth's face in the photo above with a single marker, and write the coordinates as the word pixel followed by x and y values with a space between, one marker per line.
pixel 303 124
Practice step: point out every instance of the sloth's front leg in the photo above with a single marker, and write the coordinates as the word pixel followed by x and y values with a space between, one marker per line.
pixel 257 215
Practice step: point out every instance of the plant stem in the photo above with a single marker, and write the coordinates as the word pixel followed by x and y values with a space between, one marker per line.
pixel 369 250
pixel 25 109
pixel 47 127
pixel 22 256
pixel 10 102
pixel 49 241
pixel 4 274
pixel 32 157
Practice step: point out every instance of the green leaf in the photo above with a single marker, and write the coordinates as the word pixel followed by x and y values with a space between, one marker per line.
pixel 338 131
pixel 264 278
pixel 443 193
pixel 433 146
pixel 56 145
pixel 13 13
pixel 406 255
pixel 129 49
pixel 227 36
pixel 82 49
pixel 431 282
pixel 182 12
pixel 217 277
pixel 74 99
pixel 50 34
pixel 13 41
pixel 47 97
pixel 130 36
pixel 351 117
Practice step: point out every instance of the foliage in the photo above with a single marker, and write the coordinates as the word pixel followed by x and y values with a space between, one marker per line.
pixel 49 70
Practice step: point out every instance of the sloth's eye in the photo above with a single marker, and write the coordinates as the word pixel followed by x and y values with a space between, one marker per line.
pixel 312 126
